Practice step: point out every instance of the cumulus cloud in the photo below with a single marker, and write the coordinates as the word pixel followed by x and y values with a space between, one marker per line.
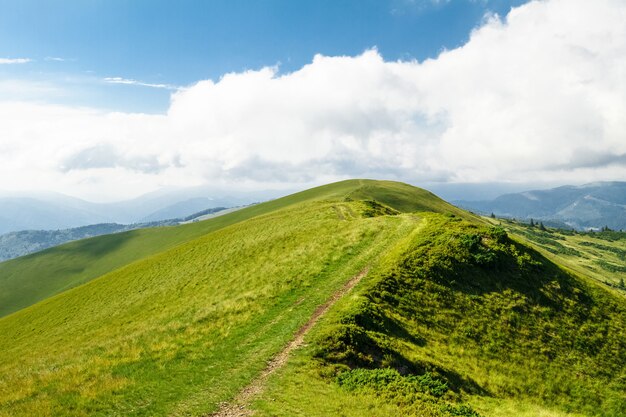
pixel 536 95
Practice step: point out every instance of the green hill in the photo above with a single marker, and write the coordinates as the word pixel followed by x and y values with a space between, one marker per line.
pixel 600 256
pixel 453 317
pixel 29 279
pixel 460 320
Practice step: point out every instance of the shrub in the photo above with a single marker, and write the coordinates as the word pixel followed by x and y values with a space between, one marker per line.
pixel 389 383
pixel 459 410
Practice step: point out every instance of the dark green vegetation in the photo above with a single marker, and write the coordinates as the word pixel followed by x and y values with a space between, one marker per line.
pixel 454 318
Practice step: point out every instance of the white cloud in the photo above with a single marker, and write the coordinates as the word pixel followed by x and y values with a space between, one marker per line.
pixel 537 96
pixel 8 61
pixel 126 81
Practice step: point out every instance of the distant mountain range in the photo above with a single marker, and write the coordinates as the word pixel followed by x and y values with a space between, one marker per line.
pixel 24 242
pixel 586 206
pixel 52 211
pixel 582 207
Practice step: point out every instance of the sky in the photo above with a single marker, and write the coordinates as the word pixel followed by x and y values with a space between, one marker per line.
pixel 107 100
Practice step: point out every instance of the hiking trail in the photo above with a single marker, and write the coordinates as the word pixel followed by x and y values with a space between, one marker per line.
pixel 238 407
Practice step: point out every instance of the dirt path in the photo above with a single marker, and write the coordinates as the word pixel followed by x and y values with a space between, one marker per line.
pixel 339 212
pixel 238 406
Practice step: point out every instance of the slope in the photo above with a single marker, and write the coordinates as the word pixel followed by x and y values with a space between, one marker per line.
pixel 600 256
pixel 453 319
pixel 460 320
pixel 149 339
pixel 95 347
pixel 24 242
pixel 27 280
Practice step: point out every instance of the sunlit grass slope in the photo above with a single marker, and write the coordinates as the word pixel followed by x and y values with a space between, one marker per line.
pixel 460 320
pixel 182 330
pixel 27 280
pixel 454 318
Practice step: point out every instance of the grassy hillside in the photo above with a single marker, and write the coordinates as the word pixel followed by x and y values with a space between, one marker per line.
pixel 181 331
pixel 600 256
pixel 453 319
pixel 459 320
pixel 25 242
pixel 27 280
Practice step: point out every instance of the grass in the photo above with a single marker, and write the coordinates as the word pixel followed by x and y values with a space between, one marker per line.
pixel 497 407
pixel 30 279
pixel 455 318
pixel 182 330
pixel 506 331
pixel 600 256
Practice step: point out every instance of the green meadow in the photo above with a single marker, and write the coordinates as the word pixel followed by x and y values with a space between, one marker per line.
pixel 456 317
pixel 600 256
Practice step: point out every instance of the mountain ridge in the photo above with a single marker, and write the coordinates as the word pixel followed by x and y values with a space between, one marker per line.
pixel 51 211
pixel 589 206
pixel 25 242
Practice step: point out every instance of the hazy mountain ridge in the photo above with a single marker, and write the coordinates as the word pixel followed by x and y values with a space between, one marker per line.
pixel 24 242
pixel 51 211
pixel 586 206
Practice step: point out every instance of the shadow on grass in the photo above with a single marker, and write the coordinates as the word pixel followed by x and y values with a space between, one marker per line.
pixel 97 246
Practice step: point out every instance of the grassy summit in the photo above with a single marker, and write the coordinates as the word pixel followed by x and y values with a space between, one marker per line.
pixel 453 317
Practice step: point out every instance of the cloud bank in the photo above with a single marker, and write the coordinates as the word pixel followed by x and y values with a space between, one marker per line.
pixel 537 95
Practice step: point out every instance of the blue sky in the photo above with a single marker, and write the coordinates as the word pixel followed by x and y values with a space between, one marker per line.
pixel 74 45
pixel 110 99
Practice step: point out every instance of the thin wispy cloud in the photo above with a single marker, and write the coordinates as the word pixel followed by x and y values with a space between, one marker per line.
pixel 8 61
pixel 401 7
pixel 56 59
pixel 16 89
pixel 128 81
